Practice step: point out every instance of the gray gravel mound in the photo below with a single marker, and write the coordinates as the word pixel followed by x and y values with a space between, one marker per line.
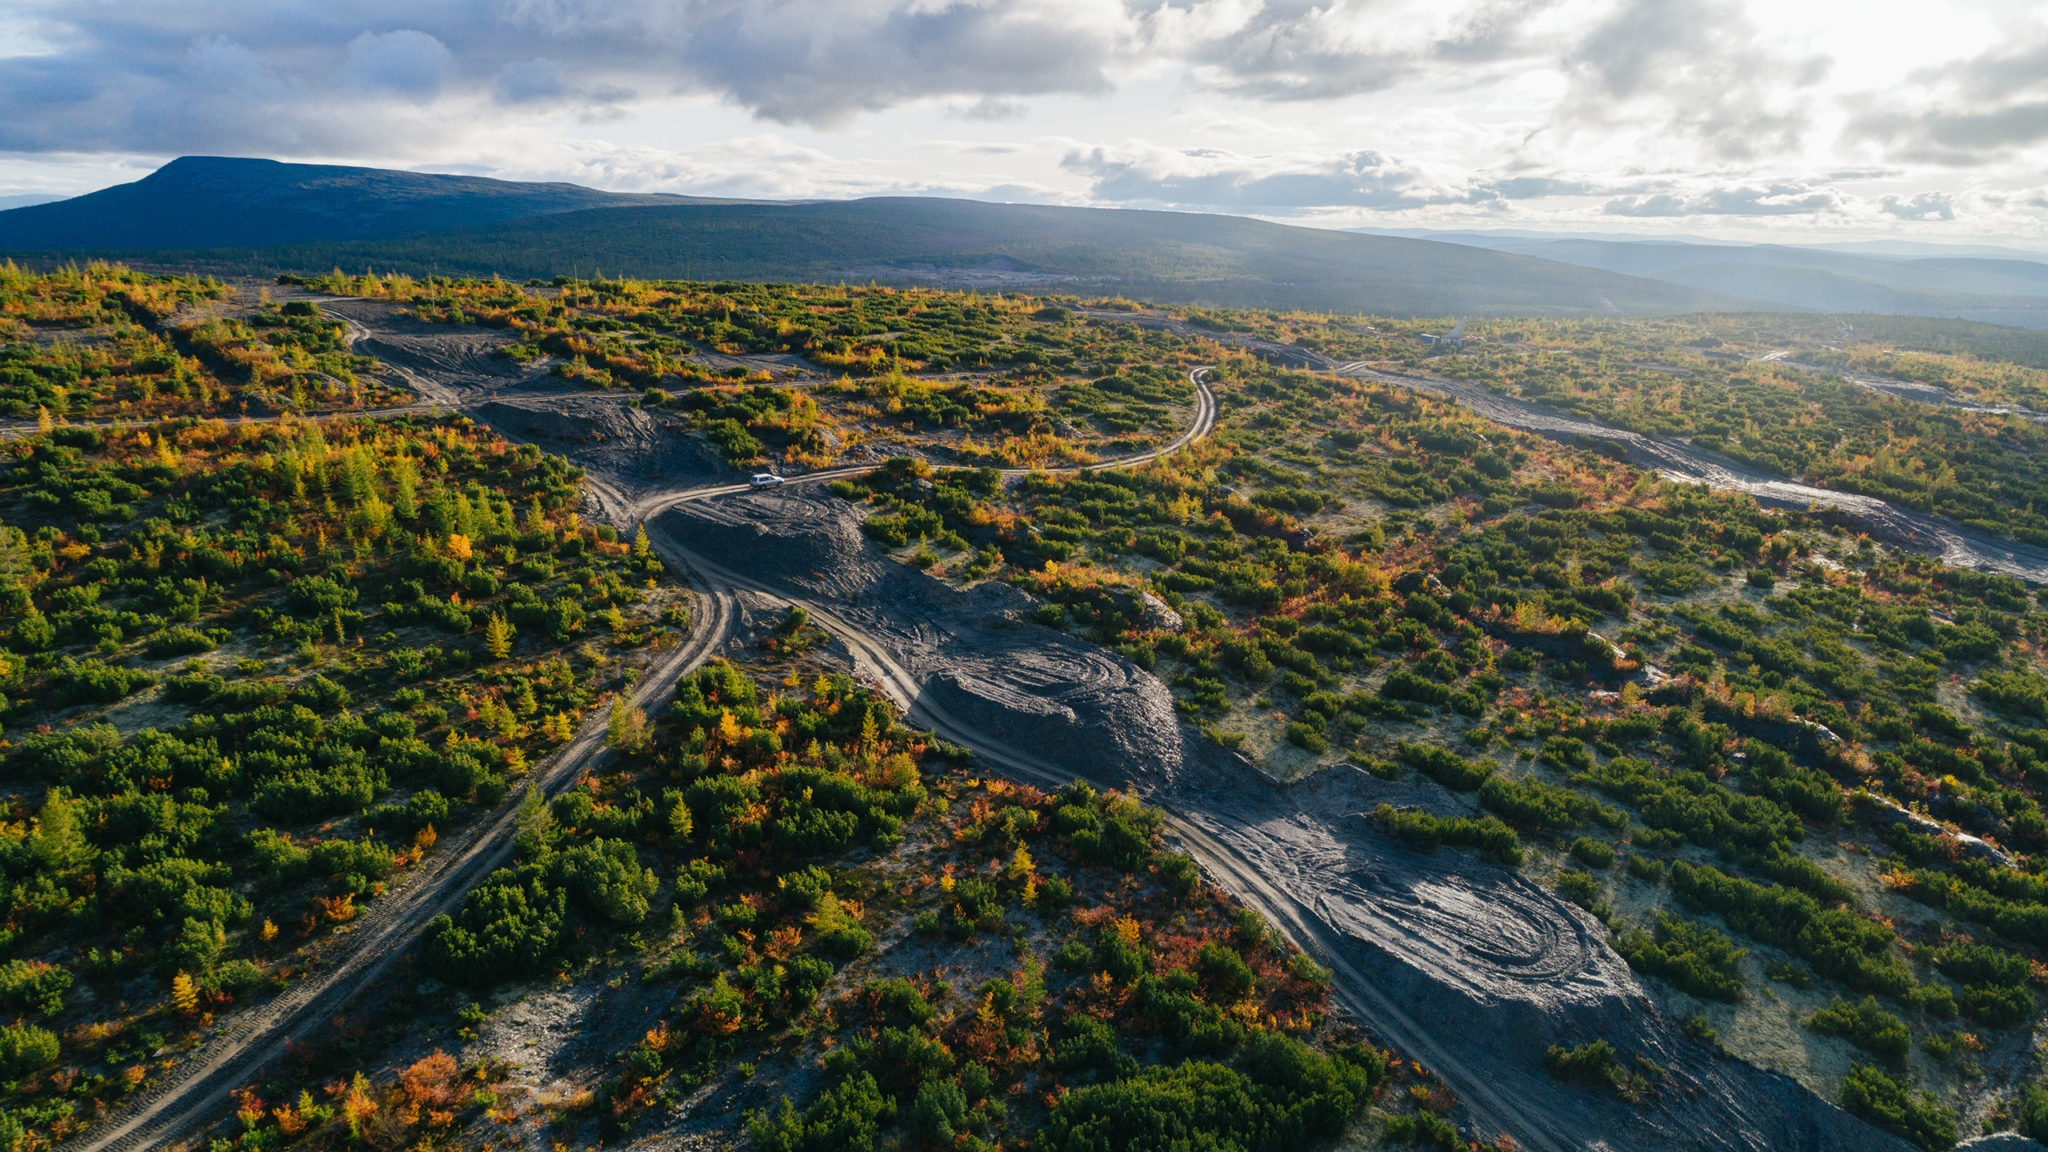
pixel 1465 966
pixel 977 654
pixel 1488 968
pixel 618 441
pixel 462 352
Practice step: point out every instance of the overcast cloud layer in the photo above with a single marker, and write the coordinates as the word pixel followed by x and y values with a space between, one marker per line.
pixel 1832 119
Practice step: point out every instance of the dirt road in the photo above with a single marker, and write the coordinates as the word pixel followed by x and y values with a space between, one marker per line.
pixel 201 1084
pixel 194 1092
pixel 1955 545
pixel 1468 968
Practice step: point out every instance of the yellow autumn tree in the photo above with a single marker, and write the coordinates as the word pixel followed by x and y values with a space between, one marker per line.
pixel 627 730
pixel 184 994
pixel 729 730
pixel 358 1105
pixel 561 727
pixel 498 637
pixel 641 548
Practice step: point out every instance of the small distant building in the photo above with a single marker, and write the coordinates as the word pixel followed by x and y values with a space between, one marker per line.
pixel 1454 337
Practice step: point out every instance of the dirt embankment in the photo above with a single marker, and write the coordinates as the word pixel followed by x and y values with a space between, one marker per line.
pixel 1466 967
pixel 1954 544
pixel 1469 968
pixel 1920 393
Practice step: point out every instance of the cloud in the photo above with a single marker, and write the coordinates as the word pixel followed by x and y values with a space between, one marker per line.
pixel 1219 180
pixel 1769 200
pixel 1519 110
pixel 407 62
pixel 766 166
pixel 1695 68
pixel 342 71
pixel 992 109
pixel 530 81
pixel 822 61
pixel 1294 50
pixel 1541 188
pixel 1365 179
pixel 1966 112
pixel 1923 206
pixel 321 77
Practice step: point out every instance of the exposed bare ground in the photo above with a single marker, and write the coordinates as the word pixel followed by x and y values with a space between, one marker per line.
pixel 1469 968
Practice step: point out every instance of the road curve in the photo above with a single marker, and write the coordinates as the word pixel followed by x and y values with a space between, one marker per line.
pixel 203 1082
pixel 253 1038
pixel 1234 872
pixel 1240 876
pixel 652 505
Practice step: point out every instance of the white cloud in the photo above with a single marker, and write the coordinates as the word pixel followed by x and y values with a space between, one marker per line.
pixel 1494 112
pixel 1752 200
pixel 529 81
pixel 1699 69
pixel 1209 178
pixel 1965 112
pixel 407 62
pixel 1920 206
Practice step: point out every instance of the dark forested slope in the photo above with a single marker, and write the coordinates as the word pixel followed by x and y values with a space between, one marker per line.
pixel 257 216
pixel 215 201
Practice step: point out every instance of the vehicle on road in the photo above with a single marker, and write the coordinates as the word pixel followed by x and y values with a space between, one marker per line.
pixel 765 480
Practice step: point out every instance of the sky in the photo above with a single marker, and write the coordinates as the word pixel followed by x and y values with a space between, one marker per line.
pixel 1801 121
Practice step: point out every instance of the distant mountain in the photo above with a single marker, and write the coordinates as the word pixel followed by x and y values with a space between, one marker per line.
pixel 1925 249
pixel 1164 256
pixel 258 216
pixel 2006 289
pixel 218 202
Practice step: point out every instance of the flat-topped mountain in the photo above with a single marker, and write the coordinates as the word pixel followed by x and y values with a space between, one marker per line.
pixel 223 202
pixel 261 216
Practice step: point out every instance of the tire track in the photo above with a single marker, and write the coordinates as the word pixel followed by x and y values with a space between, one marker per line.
pixel 1230 869
pixel 1204 422
pixel 240 1047
pixel 254 1038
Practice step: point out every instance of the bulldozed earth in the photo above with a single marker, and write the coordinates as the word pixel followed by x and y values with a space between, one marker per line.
pixel 1464 966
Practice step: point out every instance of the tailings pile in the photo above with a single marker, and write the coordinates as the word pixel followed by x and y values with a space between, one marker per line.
pixel 1466 966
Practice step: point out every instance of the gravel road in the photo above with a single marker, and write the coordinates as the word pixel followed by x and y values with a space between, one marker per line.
pixel 1469 968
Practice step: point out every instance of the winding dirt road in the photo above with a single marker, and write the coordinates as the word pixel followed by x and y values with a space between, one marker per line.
pixel 202 1084
pixel 652 504
pixel 1237 874
pixel 362 952
pixel 1316 919
pixel 1955 545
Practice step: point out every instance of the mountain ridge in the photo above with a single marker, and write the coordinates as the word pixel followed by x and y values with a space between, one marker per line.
pixel 222 201
pixel 261 217
pixel 2006 289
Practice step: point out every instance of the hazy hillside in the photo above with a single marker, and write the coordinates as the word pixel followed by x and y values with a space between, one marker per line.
pixel 256 216
pixel 212 201
pixel 1153 255
pixel 2005 291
